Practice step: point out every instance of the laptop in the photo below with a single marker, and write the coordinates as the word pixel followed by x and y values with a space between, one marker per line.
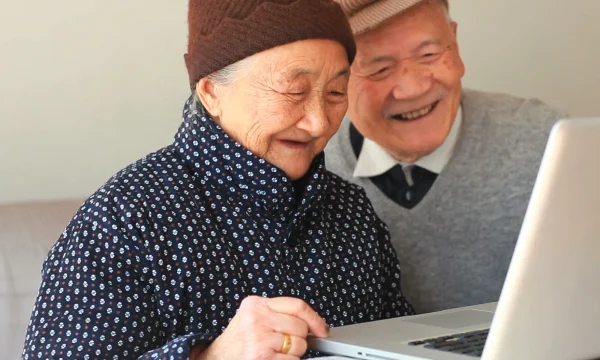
pixel 549 307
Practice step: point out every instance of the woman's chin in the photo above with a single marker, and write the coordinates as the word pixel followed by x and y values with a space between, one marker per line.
pixel 294 166
pixel 294 169
pixel 295 173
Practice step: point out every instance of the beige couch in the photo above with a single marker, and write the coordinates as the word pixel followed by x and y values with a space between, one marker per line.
pixel 27 232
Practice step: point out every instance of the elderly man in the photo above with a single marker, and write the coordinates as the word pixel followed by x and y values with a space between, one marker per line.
pixel 449 170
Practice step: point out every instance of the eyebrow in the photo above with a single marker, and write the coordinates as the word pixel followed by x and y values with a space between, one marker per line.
pixel 427 43
pixel 386 58
pixel 344 72
pixel 303 72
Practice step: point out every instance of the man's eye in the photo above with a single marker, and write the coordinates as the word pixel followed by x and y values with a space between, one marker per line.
pixel 380 74
pixel 431 56
pixel 337 93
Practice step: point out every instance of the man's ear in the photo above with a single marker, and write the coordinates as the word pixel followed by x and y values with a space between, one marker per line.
pixel 454 26
pixel 209 96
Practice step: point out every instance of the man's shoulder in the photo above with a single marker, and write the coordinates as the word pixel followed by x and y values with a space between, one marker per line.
pixel 508 129
pixel 510 107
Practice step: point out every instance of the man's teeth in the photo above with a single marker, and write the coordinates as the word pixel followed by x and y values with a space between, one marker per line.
pixel 416 114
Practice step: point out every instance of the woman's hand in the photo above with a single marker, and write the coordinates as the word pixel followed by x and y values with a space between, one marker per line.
pixel 259 329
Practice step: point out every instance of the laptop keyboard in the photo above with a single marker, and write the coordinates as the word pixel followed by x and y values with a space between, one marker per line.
pixel 469 343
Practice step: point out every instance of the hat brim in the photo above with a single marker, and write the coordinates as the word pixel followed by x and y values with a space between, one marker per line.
pixel 373 15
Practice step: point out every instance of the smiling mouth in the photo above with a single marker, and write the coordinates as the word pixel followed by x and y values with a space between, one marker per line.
pixel 414 115
pixel 295 144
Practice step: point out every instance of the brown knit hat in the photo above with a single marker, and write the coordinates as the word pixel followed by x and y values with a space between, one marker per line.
pixel 222 32
pixel 365 15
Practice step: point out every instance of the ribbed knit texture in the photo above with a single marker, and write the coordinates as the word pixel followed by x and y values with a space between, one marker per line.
pixel 365 15
pixel 456 244
pixel 222 32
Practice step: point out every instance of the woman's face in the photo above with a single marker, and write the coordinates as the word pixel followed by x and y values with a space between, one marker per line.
pixel 286 102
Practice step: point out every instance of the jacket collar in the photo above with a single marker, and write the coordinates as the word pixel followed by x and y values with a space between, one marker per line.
pixel 220 162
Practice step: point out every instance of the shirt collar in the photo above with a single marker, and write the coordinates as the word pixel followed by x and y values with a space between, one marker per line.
pixel 374 160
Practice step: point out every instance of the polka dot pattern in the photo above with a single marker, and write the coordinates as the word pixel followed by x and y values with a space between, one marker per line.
pixel 160 257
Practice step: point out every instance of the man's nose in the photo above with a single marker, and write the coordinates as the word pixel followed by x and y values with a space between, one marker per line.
pixel 412 81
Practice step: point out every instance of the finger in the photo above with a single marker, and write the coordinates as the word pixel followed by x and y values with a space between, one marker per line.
pixel 288 324
pixel 297 348
pixel 301 310
pixel 298 345
pixel 285 357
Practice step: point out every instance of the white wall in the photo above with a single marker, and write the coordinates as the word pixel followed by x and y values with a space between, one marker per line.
pixel 548 49
pixel 86 87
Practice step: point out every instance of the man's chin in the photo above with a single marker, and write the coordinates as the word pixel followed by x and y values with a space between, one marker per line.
pixel 421 139
pixel 411 152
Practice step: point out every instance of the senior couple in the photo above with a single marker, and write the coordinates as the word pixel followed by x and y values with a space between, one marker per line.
pixel 326 145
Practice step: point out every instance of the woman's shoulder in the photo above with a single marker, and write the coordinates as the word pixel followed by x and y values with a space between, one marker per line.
pixel 157 181
pixel 158 174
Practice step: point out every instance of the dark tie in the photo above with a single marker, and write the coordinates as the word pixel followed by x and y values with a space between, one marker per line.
pixel 406 191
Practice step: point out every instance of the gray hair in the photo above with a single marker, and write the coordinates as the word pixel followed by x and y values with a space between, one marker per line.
pixel 226 76
pixel 446 6
pixel 229 74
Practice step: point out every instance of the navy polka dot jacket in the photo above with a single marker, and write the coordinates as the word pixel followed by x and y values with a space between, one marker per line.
pixel 160 257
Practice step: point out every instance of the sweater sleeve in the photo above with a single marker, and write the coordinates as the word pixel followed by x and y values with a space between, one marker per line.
pixel 96 298
pixel 396 304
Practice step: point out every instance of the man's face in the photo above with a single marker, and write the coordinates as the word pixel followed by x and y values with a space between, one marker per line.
pixel 405 86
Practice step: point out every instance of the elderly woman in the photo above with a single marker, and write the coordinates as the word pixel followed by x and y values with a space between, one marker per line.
pixel 234 242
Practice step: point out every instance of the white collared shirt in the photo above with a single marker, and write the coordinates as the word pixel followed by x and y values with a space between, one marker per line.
pixel 374 160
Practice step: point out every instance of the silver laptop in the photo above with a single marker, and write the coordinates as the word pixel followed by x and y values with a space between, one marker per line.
pixel 549 307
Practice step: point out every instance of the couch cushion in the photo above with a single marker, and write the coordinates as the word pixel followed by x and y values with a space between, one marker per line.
pixel 27 232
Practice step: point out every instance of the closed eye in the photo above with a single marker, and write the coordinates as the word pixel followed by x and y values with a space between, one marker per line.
pixel 431 56
pixel 380 74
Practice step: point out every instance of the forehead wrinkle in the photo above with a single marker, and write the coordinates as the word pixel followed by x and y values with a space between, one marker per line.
pixel 365 62
pixel 301 72
pixel 283 73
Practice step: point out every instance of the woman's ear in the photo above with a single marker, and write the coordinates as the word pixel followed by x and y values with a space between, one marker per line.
pixel 209 96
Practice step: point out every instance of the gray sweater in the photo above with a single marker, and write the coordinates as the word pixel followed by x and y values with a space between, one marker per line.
pixel 456 244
